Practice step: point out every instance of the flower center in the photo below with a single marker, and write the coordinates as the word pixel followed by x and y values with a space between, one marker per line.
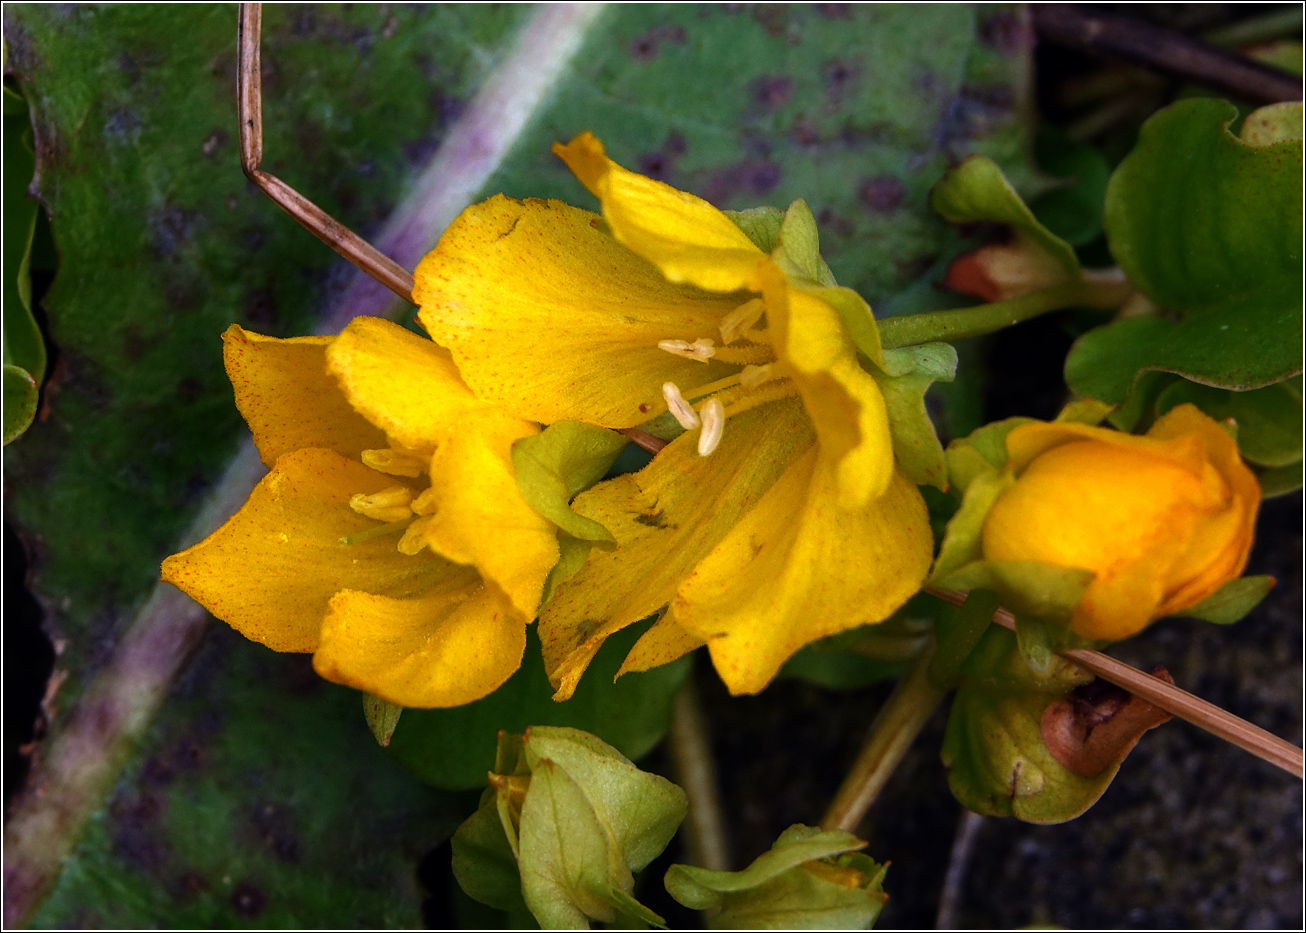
pixel 762 378
pixel 400 508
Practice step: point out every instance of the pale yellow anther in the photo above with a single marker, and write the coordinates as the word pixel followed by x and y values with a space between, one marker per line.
pixel 396 462
pixel 740 319
pixel 388 505
pixel 414 538
pixel 753 376
pixel 427 502
pixel 714 425
pixel 701 349
pixel 679 408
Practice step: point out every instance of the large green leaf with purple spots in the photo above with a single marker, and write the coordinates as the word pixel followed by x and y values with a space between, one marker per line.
pixel 162 244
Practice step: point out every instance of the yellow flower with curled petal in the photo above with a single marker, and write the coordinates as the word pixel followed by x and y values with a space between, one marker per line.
pixel 778 517
pixel 389 538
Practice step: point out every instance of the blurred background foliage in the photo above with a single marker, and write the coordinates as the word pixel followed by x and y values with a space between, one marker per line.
pixel 259 798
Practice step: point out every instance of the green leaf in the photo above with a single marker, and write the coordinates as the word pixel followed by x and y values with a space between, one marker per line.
pixel 1279 481
pixel 565 459
pixel 976 190
pixel 958 630
pixel 23 345
pixel 483 862
pixel 453 748
pixel 904 379
pixel 1209 227
pixel 259 799
pixel 1072 212
pixel 20 398
pixel 382 717
pixel 1269 420
pixel 791 886
pixel 998 763
pixel 1232 601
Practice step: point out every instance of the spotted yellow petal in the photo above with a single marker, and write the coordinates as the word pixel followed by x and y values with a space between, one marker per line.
pixel 799 567
pixel 687 238
pixel 270 571
pixel 664 642
pixel 288 399
pixel 665 519
pixel 550 316
pixel 446 648
pixel 404 384
pixel 479 514
pixel 843 400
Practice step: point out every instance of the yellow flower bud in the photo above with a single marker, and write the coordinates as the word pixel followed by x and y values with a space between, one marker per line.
pixel 1163 521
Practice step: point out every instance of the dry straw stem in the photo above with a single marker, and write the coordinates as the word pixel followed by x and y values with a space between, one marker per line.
pixel 1170 698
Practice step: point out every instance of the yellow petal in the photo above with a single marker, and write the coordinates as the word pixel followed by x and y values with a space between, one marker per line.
pixel 479 515
pixel 663 643
pixel 446 648
pixel 683 235
pixel 288 399
pixel 665 519
pixel 799 567
pixel 271 569
pixel 550 316
pixel 843 400
pixel 404 384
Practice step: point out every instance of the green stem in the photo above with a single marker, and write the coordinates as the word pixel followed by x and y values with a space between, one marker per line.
pixel 695 769
pixel 904 714
pixel 910 330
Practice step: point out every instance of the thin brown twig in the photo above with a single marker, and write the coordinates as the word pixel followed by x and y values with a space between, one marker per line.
pixel 645 440
pixel 1166 51
pixel 311 217
pixel 1172 699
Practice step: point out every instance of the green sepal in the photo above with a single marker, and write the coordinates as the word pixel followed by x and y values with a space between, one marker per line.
pixel 20 398
pixel 382 717
pixel 483 860
pixel 858 321
pixel 1027 587
pixel 797 249
pixel 904 378
pixel 1209 227
pixel 563 460
pixel 976 190
pixel 567 821
pixel 985 449
pixel 760 224
pixel 789 887
pixel 1279 481
pixel 1269 420
pixel 962 546
pixel 1232 601
pixel 998 763
pixel 958 630
pixel 631 914
pixel 572 554
pixel 1136 413
pixel 1087 411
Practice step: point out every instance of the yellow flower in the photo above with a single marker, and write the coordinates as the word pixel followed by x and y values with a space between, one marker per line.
pixel 782 519
pixel 1162 521
pixel 389 538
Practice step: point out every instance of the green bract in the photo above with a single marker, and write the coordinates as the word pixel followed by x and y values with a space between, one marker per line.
pixel 577 818
pixel 1208 226
pixel 809 880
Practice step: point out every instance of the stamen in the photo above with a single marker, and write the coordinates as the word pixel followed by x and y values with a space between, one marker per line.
pixel 414 538
pixel 378 532
pixel 749 355
pixel 754 376
pixel 678 407
pixel 701 349
pixel 427 502
pixel 740 319
pixel 714 425
pixel 388 505
pixel 397 462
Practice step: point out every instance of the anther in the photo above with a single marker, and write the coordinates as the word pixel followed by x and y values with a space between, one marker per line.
pixel 753 376
pixel 740 319
pixel 714 424
pixel 701 349
pixel 388 505
pixel 679 408
pixel 396 462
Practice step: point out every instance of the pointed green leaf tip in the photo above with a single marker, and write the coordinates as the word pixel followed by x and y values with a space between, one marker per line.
pixel 904 378
pixel 582 817
pixel 809 880
pixel 382 717
pixel 1232 601
pixel 1208 226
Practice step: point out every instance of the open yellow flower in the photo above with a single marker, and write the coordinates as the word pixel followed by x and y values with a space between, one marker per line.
pixel 781 519
pixel 389 538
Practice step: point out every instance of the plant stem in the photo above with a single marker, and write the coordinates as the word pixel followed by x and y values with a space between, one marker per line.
pixel 910 330
pixel 691 755
pixel 899 722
